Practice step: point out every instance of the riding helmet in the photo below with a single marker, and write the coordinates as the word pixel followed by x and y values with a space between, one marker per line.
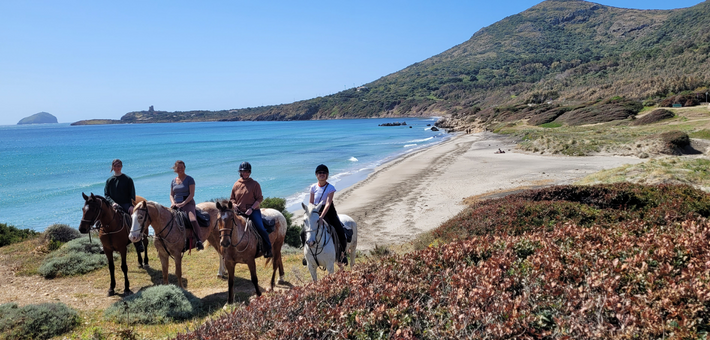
pixel 245 166
pixel 322 167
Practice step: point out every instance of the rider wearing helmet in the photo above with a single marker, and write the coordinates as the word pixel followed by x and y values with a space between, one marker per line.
pixel 322 192
pixel 247 197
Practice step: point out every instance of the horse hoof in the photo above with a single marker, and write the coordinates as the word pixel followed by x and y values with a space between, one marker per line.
pixel 305 263
pixel 282 282
pixel 111 293
pixel 127 292
pixel 140 266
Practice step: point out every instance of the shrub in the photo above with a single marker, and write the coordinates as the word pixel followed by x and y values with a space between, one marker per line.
pixel 653 117
pixel 61 232
pixel 11 234
pixel 155 305
pixel 42 321
pixel 639 273
pixel 293 236
pixel 76 257
pixel 675 139
pixel 279 204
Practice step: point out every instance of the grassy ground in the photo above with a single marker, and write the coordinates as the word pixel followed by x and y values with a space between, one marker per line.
pixel 199 277
pixel 616 137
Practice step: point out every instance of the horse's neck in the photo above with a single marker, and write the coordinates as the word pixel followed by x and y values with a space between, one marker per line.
pixel 107 214
pixel 240 227
pixel 322 234
pixel 160 217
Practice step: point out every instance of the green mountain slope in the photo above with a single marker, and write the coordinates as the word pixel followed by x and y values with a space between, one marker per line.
pixel 562 52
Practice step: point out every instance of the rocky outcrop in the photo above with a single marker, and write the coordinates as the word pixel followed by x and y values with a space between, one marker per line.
pixel 38 118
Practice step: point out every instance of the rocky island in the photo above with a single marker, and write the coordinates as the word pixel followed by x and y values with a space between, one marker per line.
pixel 38 118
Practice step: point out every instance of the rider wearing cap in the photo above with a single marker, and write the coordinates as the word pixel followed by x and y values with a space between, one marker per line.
pixel 322 192
pixel 247 197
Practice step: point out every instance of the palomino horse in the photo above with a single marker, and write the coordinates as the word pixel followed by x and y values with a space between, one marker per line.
pixel 239 244
pixel 113 234
pixel 169 235
pixel 319 249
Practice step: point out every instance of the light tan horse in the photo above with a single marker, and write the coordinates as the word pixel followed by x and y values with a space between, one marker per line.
pixel 239 244
pixel 169 235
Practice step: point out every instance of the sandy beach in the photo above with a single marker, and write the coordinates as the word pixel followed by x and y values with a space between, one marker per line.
pixel 419 191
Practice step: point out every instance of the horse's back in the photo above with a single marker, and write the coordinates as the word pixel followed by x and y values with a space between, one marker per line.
pixel 348 222
pixel 273 214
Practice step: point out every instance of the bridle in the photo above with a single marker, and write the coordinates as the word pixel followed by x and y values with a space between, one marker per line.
pixel 315 251
pixel 102 228
pixel 234 225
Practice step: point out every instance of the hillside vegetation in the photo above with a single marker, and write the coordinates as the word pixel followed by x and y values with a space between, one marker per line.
pixel 606 261
pixel 566 54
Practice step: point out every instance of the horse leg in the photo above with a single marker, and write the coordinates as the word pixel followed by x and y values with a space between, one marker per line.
pixel 220 272
pixel 178 269
pixel 313 268
pixel 145 251
pixel 124 268
pixel 254 280
pixel 230 282
pixel 164 264
pixel 111 268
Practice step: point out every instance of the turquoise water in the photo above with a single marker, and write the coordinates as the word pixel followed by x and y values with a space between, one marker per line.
pixel 45 168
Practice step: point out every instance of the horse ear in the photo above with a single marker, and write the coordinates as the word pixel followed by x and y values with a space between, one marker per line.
pixel 305 208
pixel 230 205
pixel 134 203
pixel 219 206
pixel 85 197
pixel 92 195
pixel 318 206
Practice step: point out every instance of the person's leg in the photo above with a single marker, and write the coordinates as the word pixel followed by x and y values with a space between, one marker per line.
pixel 332 218
pixel 259 225
pixel 192 215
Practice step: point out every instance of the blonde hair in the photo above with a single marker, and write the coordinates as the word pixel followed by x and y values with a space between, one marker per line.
pixel 176 164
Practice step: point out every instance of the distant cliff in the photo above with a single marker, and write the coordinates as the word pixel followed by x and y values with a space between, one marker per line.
pixel 38 118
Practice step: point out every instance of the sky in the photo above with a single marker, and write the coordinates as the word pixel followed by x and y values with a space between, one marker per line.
pixel 102 59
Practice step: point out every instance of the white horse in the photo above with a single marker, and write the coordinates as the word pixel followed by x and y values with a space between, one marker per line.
pixel 319 249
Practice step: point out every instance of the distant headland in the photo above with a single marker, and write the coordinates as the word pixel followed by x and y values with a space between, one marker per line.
pixel 38 118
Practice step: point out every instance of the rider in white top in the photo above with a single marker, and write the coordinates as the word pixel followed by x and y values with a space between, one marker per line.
pixel 322 192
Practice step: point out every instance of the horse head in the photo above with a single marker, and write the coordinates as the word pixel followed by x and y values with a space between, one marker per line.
pixel 139 221
pixel 226 223
pixel 91 212
pixel 310 222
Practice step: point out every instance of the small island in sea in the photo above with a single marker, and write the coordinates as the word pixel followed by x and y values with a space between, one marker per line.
pixel 38 118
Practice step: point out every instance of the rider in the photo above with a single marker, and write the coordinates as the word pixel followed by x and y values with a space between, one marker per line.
pixel 182 193
pixel 247 197
pixel 322 192
pixel 119 191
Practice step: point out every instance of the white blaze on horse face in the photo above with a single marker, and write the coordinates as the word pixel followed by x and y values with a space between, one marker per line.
pixel 135 234
pixel 311 224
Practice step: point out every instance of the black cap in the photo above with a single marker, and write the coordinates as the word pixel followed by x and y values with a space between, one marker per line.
pixel 322 167
pixel 245 166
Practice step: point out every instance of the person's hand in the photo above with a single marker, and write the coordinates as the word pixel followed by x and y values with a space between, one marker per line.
pixel 174 206
pixel 130 210
pixel 249 211
pixel 115 205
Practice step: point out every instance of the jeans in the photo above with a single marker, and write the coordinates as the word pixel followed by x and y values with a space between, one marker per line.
pixel 255 217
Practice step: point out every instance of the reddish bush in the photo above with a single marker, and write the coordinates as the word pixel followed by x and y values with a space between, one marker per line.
pixel 634 263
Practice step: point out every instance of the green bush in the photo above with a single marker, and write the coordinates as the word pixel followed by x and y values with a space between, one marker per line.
pixel 293 236
pixel 76 257
pixel 279 204
pixel 155 305
pixel 42 321
pixel 11 234
pixel 61 232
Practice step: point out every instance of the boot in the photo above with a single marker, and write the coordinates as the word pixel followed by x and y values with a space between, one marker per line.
pixel 139 246
pixel 268 254
pixel 198 245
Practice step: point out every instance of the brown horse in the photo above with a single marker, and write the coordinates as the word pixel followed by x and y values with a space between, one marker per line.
pixel 240 244
pixel 170 236
pixel 113 234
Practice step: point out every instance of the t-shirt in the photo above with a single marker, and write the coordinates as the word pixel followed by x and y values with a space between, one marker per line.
pixel 320 194
pixel 182 190
pixel 119 189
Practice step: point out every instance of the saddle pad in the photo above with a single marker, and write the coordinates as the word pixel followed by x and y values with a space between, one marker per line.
pixel 203 218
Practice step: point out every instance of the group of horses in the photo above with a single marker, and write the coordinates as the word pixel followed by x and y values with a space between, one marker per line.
pixel 228 233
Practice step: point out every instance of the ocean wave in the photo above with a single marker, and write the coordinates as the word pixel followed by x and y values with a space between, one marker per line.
pixel 419 140
pixel 409 145
pixel 352 159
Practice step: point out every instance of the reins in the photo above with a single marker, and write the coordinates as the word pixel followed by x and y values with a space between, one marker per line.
pixel 315 251
pixel 234 224
pixel 103 228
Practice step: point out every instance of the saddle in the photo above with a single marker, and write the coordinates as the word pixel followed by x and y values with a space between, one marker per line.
pixel 203 218
pixel 269 225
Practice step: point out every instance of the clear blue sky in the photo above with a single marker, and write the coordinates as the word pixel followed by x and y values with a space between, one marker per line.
pixel 101 59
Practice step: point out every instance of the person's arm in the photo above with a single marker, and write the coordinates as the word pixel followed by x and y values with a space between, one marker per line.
pixel 172 200
pixel 258 198
pixel 328 202
pixel 313 198
pixel 189 197
pixel 133 196
pixel 106 194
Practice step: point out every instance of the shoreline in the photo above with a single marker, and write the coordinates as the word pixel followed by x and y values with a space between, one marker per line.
pixel 416 192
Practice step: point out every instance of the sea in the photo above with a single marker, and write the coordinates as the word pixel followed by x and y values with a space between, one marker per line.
pixel 44 169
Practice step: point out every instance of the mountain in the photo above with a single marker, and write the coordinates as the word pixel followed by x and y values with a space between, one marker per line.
pixel 560 57
pixel 38 118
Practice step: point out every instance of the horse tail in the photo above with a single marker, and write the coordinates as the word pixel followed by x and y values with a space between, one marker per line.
pixel 267 262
